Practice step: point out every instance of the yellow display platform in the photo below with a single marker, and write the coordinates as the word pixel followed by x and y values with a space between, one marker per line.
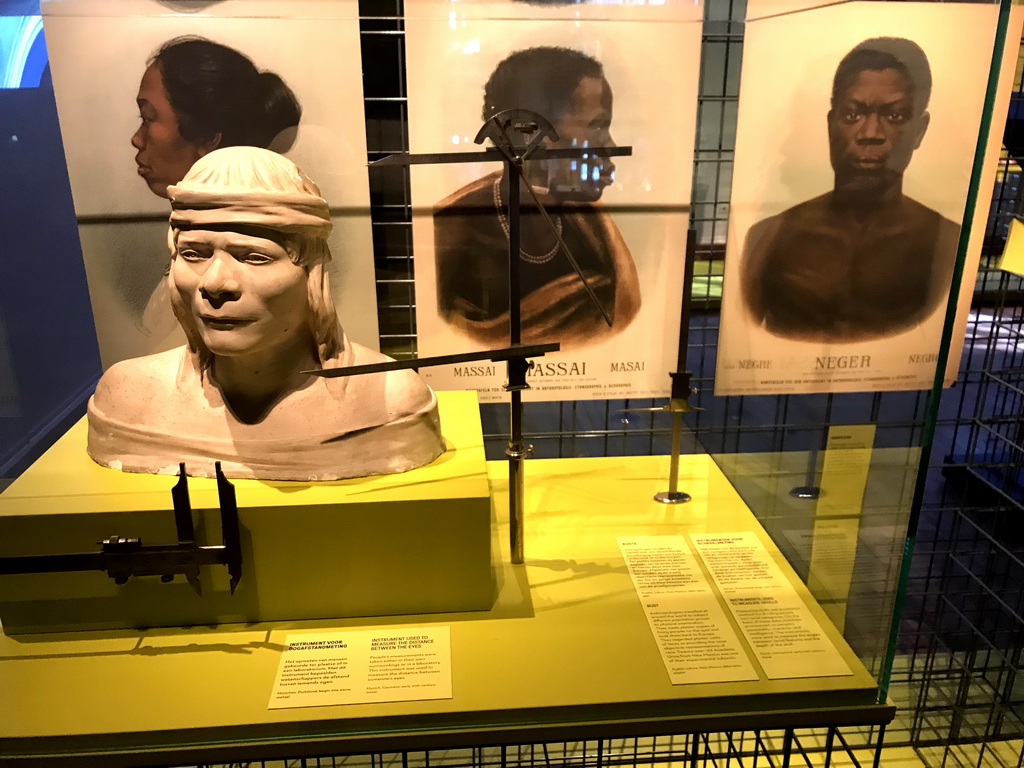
pixel 418 542
pixel 565 653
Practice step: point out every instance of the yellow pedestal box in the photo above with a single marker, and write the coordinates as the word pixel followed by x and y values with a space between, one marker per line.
pixel 418 542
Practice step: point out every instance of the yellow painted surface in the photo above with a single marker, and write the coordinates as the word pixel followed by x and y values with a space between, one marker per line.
pixel 66 481
pixel 1013 253
pixel 566 641
pixel 418 542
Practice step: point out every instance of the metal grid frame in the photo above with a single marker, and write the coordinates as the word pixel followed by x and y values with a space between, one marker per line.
pixel 963 630
pixel 964 621
pixel 788 748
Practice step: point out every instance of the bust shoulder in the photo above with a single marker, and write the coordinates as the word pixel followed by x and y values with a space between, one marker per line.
pixel 405 392
pixel 131 389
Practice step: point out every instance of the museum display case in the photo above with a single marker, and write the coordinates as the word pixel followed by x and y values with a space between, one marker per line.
pixel 713 535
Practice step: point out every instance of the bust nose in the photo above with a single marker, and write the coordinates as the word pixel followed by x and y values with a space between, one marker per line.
pixel 219 282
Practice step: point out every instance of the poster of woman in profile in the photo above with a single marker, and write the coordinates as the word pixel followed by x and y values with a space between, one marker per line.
pixel 602 238
pixel 145 88
pixel 853 159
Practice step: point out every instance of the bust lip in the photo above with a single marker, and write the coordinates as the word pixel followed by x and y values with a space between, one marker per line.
pixel 218 322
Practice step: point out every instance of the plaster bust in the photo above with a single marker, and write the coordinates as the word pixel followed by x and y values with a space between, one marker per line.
pixel 249 286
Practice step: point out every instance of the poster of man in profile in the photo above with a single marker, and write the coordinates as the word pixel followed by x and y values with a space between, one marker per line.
pixel 848 196
pixel 145 87
pixel 623 220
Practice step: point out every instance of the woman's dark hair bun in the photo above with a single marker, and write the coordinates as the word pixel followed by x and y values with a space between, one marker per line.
pixel 221 98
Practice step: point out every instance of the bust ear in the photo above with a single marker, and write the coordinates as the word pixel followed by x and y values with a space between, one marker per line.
pixel 922 127
pixel 209 146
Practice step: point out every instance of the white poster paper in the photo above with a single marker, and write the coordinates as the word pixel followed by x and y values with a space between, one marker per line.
pixel 786 639
pixel 100 52
pixel 696 640
pixel 624 219
pixel 845 217
pixel 363 666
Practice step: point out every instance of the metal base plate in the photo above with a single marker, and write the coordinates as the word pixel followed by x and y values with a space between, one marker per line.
pixel 805 492
pixel 670 497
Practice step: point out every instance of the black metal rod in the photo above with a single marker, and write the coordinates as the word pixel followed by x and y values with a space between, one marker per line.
pixel 516 370
pixel 494 155
pixel 684 312
pixel 183 557
pixel 505 353
pixel 183 508
pixel 514 240
pixel 84 561
pixel 516 454
pixel 230 533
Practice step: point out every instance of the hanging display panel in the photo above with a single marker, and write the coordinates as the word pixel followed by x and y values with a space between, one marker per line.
pixel 585 68
pixel 853 160
pixel 144 88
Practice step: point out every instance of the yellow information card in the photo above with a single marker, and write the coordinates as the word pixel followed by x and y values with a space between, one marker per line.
pixel 697 643
pixel 1013 253
pixel 786 638
pixel 844 478
pixel 362 666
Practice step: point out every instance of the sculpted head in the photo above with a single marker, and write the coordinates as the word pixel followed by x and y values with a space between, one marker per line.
pixel 567 87
pixel 248 240
pixel 879 114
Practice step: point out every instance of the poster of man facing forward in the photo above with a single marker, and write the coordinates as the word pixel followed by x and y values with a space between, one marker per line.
pixel 852 169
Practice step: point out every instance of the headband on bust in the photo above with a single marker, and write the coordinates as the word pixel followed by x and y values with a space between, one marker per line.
pixel 193 207
pixel 249 186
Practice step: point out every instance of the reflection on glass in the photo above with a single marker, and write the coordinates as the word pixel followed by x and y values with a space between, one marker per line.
pixel 471 229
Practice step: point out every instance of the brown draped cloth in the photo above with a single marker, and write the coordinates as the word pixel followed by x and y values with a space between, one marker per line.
pixel 471 251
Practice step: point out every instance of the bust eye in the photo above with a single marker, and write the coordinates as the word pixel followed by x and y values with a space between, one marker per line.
pixel 190 255
pixel 257 258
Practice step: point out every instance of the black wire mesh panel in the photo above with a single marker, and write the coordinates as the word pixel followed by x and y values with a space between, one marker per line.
pixel 963 629
pixel 736 749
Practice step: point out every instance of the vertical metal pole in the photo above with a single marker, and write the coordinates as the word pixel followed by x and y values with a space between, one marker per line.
pixel 787 748
pixel 516 452
pixel 673 469
pixel 514 235
pixel 681 392
pixel 808 490
pixel 878 747
pixel 673 495
pixel 684 309
pixel 516 369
